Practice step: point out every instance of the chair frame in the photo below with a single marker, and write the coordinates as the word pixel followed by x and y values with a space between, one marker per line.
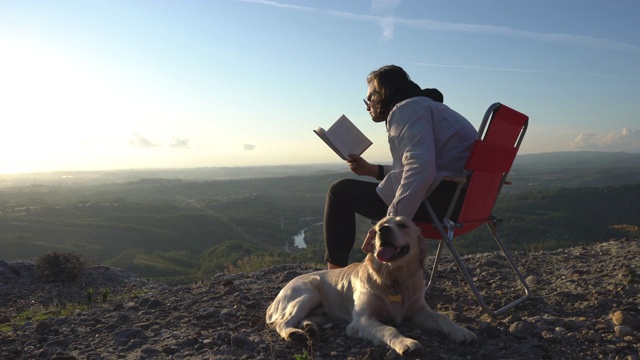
pixel 445 231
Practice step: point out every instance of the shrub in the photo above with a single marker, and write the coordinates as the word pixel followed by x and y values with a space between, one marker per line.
pixel 60 267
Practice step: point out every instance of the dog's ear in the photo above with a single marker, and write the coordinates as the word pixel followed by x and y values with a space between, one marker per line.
pixel 424 249
pixel 423 245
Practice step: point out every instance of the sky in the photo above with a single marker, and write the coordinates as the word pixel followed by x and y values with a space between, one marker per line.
pixel 135 84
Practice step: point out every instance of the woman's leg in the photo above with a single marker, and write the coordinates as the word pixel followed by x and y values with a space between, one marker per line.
pixel 440 200
pixel 348 197
pixel 345 199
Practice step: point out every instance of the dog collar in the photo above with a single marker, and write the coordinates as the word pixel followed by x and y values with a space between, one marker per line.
pixel 394 298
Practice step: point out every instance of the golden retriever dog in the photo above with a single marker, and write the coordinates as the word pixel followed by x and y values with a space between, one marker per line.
pixel 386 289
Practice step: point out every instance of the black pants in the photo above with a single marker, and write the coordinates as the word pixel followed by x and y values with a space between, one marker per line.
pixel 348 197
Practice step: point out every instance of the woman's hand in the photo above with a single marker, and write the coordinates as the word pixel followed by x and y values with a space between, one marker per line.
pixel 360 166
pixel 367 244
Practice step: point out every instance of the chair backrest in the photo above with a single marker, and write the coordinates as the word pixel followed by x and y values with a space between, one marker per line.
pixel 490 160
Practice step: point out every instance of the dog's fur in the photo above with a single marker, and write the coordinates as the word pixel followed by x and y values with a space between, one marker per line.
pixel 387 288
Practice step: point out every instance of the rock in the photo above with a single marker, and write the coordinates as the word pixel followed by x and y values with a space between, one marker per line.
pixel 593 337
pixel 43 327
pixel 521 329
pixel 58 343
pixel 551 336
pixel 621 318
pixel 623 330
pixel 532 281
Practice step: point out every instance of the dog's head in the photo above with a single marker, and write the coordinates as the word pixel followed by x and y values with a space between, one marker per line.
pixel 397 240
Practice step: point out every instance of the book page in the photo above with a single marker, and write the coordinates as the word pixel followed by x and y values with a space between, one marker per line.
pixel 322 133
pixel 344 138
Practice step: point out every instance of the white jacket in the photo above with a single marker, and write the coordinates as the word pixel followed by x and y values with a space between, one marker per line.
pixel 428 141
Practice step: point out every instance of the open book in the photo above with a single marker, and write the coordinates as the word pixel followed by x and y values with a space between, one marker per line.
pixel 344 138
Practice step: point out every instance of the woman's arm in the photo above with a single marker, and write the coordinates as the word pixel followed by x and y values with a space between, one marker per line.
pixel 360 166
pixel 414 152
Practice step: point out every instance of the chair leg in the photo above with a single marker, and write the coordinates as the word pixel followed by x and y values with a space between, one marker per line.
pixel 434 268
pixel 472 285
pixel 448 236
pixel 493 226
pixel 469 279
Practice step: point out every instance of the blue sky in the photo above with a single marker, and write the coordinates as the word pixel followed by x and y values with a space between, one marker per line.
pixel 97 85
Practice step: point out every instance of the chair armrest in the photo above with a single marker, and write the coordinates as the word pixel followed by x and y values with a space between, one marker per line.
pixel 456 179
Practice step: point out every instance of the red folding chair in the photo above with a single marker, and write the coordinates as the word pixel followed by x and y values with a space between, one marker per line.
pixel 488 165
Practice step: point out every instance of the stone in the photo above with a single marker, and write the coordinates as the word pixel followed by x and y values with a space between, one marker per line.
pixel 621 318
pixel 623 330
pixel 521 329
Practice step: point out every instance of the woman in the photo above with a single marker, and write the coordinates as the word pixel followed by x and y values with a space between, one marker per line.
pixel 428 141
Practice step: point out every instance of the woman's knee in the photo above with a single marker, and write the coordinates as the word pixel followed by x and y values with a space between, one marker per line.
pixel 340 188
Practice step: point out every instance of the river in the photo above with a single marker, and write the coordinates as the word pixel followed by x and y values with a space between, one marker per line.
pixel 298 239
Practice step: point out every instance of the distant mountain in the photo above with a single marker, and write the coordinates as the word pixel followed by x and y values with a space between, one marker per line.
pixel 188 174
pixel 579 159
pixel 574 169
pixel 525 164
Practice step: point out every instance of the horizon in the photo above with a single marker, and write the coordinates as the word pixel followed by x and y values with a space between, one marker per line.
pixel 332 166
pixel 101 86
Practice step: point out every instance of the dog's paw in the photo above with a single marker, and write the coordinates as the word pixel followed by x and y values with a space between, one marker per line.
pixel 310 328
pixel 407 347
pixel 462 335
pixel 296 336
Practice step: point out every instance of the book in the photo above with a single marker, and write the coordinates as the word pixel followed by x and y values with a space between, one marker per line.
pixel 344 138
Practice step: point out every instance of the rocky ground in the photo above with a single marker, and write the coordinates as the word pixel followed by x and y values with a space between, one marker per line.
pixel 585 305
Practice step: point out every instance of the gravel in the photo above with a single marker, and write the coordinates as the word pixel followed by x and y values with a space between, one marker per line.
pixel 584 305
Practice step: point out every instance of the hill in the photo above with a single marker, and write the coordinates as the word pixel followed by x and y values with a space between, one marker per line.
pixel 575 169
pixel 179 228
pixel 578 159
pixel 583 306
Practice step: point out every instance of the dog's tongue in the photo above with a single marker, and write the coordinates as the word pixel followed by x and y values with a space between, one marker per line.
pixel 384 254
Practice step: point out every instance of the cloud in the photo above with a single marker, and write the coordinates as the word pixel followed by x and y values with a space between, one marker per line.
pixel 249 147
pixel 625 140
pixel 386 10
pixel 383 13
pixel 280 5
pixel 142 142
pixel 180 144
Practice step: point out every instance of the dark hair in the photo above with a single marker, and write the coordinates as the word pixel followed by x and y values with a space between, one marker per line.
pixel 392 84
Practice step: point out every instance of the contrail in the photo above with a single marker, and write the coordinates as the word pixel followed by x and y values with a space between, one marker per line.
pixel 535 71
pixel 387 21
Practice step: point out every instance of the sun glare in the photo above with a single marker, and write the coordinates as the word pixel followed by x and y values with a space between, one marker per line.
pixel 14 169
pixel 54 106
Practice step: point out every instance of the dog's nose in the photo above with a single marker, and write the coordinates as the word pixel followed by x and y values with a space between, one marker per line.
pixel 385 230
